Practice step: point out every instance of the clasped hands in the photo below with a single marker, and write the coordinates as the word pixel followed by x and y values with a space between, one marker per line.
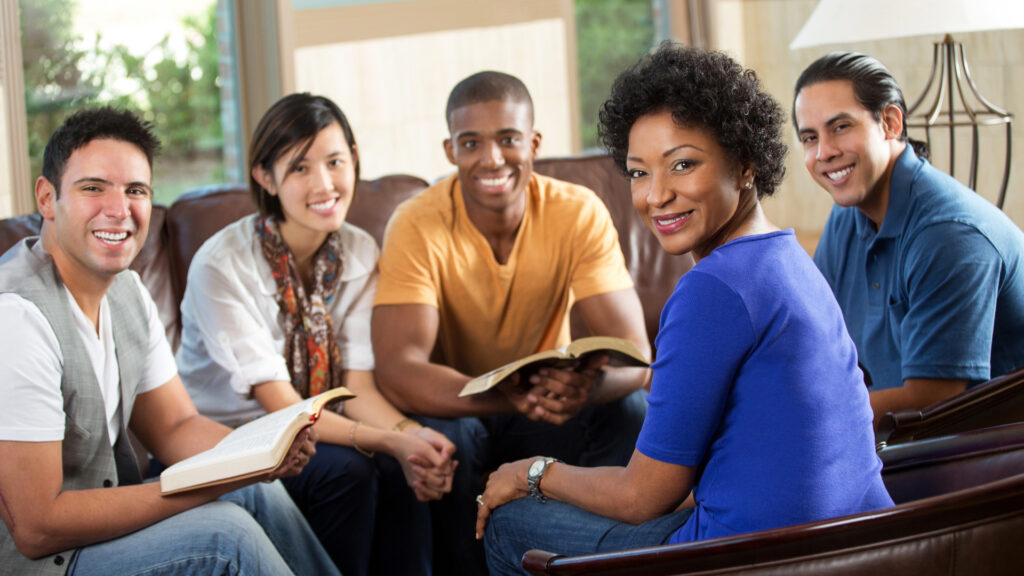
pixel 426 458
pixel 556 393
pixel 424 454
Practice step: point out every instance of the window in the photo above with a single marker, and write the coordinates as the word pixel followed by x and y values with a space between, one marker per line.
pixel 610 36
pixel 162 60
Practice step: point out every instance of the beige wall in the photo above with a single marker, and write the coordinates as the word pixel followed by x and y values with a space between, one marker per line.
pixel 390 66
pixel 15 184
pixel 996 60
pixel 6 182
pixel 383 19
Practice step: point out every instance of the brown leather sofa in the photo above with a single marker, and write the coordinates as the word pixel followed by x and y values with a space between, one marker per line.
pixel 959 512
pixel 993 403
pixel 176 232
pixel 970 528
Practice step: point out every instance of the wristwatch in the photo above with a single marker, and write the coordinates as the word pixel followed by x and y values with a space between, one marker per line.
pixel 534 475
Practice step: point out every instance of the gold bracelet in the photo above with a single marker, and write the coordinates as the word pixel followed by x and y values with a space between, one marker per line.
pixel 352 440
pixel 402 424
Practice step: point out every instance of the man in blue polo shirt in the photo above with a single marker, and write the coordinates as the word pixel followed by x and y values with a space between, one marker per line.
pixel 930 276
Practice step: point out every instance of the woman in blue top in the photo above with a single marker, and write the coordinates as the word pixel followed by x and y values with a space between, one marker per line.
pixel 758 417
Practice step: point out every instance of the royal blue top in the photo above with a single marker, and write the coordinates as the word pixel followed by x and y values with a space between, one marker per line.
pixel 938 291
pixel 756 385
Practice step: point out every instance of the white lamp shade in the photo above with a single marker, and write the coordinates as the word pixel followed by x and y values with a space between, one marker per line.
pixel 845 21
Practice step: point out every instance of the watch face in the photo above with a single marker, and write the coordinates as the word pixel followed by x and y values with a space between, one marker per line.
pixel 536 468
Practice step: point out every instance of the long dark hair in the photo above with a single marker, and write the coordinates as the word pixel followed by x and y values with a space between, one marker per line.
pixel 873 86
pixel 293 121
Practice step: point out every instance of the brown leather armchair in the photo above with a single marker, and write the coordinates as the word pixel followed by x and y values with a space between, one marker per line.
pixel 993 403
pixel 960 511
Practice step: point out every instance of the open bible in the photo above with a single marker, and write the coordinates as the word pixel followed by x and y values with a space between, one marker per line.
pixel 622 353
pixel 252 449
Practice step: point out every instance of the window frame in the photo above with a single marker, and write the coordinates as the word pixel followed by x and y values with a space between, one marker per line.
pixel 259 80
pixel 19 182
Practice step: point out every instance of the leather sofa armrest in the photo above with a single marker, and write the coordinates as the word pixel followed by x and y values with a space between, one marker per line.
pixel 993 403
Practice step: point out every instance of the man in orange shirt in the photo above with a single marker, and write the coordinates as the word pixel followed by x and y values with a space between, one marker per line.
pixel 482 269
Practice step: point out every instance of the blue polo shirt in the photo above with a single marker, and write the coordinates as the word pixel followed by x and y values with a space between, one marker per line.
pixel 938 291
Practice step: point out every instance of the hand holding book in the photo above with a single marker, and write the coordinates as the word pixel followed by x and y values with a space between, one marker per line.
pixel 554 393
pixel 620 352
pixel 255 449
pixel 302 450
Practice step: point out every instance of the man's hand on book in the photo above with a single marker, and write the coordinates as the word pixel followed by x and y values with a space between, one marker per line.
pixel 524 399
pixel 555 394
pixel 299 454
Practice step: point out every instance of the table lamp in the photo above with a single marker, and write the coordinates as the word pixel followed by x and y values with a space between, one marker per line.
pixel 950 99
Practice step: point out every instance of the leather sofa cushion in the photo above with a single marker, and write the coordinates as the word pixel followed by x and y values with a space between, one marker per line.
pixel 654 271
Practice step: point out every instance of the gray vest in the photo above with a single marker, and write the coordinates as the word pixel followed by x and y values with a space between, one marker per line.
pixel 88 460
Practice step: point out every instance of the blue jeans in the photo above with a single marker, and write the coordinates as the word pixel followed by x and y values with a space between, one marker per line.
pixel 254 530
pixel 526 524
pixel 363 511
pixel 600 435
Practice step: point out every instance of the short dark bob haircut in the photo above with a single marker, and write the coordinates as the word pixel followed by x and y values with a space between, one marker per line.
pixel 87 125
pixel 291 123
pixel 702 89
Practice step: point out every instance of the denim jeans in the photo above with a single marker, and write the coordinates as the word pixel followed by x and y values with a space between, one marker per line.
pixel 363 511
pixel 255 530
pixel 600 435
pixel 554 526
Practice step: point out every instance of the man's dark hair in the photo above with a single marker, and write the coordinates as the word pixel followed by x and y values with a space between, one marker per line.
pixel 291 122
pixel 487 86
pixel 873 86
pixel 84 126
pixel 702 89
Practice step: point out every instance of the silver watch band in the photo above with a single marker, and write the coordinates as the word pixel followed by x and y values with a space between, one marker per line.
pixel 535 474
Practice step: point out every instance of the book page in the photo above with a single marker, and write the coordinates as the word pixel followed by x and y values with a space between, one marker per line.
pixel 607 344
pixel 621 350
pixel 256 446
pixel 260 435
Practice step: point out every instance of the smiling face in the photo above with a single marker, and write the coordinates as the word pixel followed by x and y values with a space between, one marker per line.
pixel 684 186
pixel 315 190
pixel 99 221
pixel 493 145
pixel 847 151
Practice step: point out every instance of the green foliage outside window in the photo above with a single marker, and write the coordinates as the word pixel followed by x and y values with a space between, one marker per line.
pixel 179 93
pixel 610 36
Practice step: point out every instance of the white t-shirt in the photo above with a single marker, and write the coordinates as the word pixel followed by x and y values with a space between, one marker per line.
pixel 231 335
pixel 32 409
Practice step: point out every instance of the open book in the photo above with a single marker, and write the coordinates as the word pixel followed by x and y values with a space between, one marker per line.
pixel 251 449
pixel 622 353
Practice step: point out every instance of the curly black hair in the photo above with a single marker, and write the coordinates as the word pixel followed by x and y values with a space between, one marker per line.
pixel 702 89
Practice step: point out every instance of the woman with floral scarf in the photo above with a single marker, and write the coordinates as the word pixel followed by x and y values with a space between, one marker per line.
pixel 278 308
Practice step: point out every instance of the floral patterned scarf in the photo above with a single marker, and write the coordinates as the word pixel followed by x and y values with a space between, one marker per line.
pixel 310 348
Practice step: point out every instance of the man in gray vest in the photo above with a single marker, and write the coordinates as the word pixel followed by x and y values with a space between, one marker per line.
pixel 83 359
